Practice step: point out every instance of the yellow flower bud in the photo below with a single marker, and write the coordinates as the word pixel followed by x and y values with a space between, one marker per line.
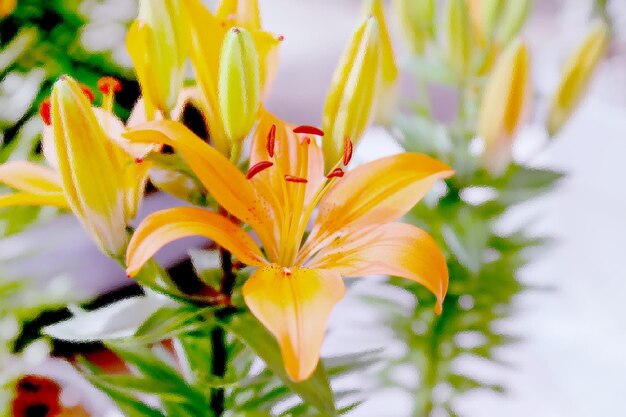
pixel 388 96
pixel 576 76
pixel 418 21
pixel 458 31
pixel 504 105
pixel 157 46
pixel 244 13
pixel 239 84
pixel 511 20
pixel 351 98
pixel 91 167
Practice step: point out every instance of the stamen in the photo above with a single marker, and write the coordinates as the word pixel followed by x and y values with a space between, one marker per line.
pixel 336 173
pixel 138 160
pixel 271 141
pixel 347 150
pixel 311 130
pixel 87 91
pixel 291 178
pixel 108 85
pixel 44 112
pixel 281 38
pixel 258 167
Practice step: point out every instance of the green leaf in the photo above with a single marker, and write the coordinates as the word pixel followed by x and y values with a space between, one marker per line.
pixel 168 322
pixel 127 403
pixel 315 390
pixel 148 364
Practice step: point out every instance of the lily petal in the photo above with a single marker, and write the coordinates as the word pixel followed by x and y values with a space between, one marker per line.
pixel 165 226
pixel 221 178
pixel 29 177
pixel 30 199
pixel 294 305
pixel 377 192
pixel 396 249
pixel 205 39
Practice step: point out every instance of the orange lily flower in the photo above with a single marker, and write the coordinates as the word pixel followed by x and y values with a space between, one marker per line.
pixel 299 277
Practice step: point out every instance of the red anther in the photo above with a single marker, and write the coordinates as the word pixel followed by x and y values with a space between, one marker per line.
pixel 336 173
pixel 271 141
pixel 87 91
pixel 258 167
pixel 306 140
pixel 281 38
pixel 138 160
pixel 108 85
pixel 44 112
pixel 310 130
pixel 300 180
pixel 347 150
pixel 236 30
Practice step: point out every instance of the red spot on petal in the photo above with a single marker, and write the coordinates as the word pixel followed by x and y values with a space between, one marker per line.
pixel 108 85
pixel 44 112
pixel 306 140
pixel 347 150
pixel 309 130
pixel 258 167
pixel 336 173
pixel 271 141
pixel 87 91
pixel 291 178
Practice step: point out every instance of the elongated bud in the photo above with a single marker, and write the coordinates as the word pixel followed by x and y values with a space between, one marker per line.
pixel 239 84
pixel 418 21
pixel 90 166
pixel 576 76
pixel 388 95
pixel 157 46
pixel 511 20
pixel 244 13
pixel 458 31
pixel 350 102
pixel 504 106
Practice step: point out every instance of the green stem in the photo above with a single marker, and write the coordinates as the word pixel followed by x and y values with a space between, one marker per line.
pixel 219 360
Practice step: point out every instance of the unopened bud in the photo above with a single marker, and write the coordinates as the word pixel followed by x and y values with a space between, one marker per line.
pixel 504 106
pixel 576 75
pixel 350 103
pixel 239 84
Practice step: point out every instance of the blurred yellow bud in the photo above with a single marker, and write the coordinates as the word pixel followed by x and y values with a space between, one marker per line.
pixel 498 21
pixel 511 20
pixel 350 103
pixel 239 84
pixel 458 30
pixel 157 46
pixel 418 21
pixel 576 76
pixel 244 13
pixel 388 95
pixel 504 105
pixel 91 168
pixel 7 7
